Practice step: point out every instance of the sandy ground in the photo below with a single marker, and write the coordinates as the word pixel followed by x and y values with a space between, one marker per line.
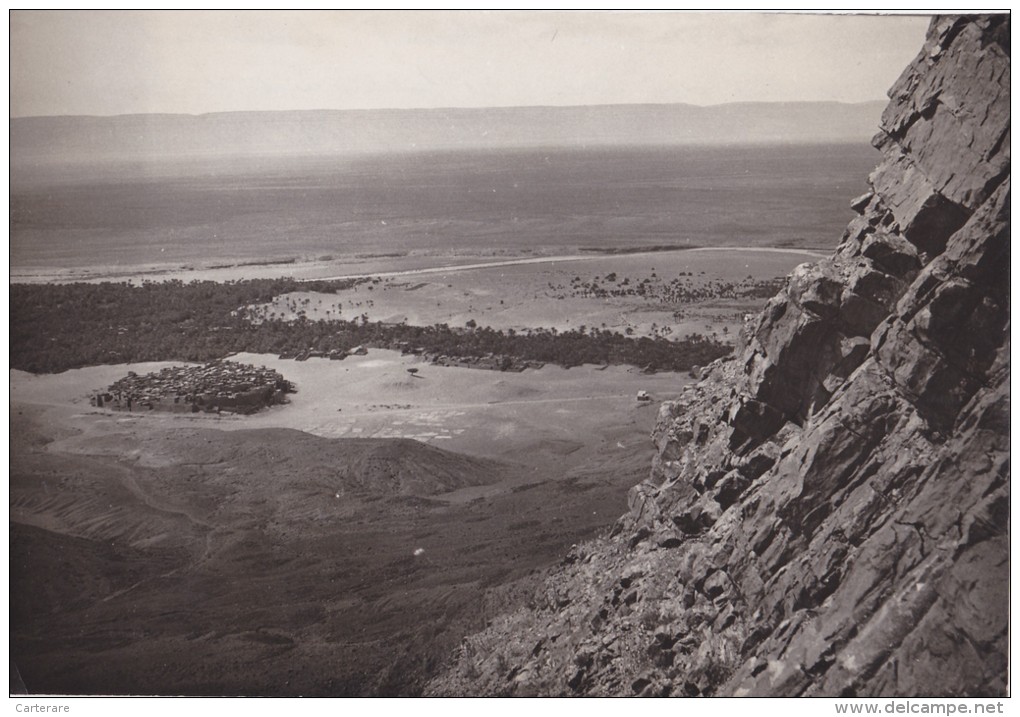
pixel 541 417
pixel 362 265
pixel 531 294
pixel 502 292
pixel 307 268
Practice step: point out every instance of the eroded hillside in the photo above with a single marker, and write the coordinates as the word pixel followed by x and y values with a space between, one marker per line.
pixel 828 513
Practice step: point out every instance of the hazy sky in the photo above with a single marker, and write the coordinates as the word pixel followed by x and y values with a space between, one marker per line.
pixel 117 62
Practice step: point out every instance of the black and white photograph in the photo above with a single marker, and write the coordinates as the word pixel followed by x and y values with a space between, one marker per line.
pixel 518 353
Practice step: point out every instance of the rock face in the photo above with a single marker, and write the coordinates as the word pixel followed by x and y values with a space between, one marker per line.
pixel 828 513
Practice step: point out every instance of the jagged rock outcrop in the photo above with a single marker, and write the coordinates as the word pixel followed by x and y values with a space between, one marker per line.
pixel 828 513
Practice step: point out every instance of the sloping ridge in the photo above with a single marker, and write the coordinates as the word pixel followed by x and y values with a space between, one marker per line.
pixel 368 466
pixel 371 466
pixel 408 467
pixel 828 513
pixel 171 488
pixel 330 132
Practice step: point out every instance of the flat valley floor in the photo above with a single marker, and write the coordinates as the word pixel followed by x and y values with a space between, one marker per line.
pixel 344 543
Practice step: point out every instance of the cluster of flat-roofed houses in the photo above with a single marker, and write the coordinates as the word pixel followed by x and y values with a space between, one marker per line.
pixel 216 386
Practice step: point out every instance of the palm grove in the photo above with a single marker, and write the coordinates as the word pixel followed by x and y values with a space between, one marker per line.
pixel 59 327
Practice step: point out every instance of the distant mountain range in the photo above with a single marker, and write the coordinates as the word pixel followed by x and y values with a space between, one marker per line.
pixel 88 138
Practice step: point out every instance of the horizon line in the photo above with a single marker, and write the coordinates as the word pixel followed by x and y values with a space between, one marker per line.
pixel 447 108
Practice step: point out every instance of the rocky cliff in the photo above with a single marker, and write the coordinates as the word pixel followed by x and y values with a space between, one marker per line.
pixel 827 514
